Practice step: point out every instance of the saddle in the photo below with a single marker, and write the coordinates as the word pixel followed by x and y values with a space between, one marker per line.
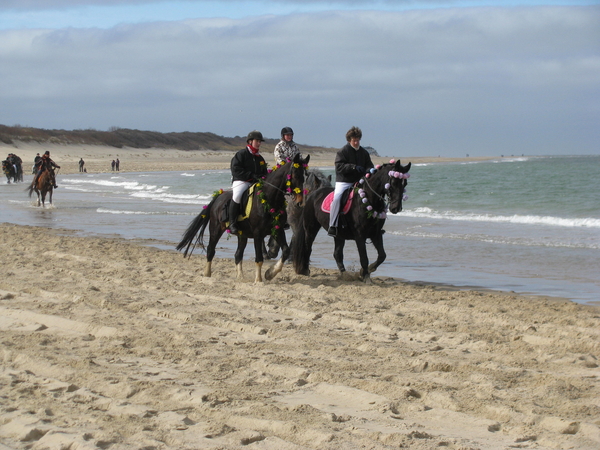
pixel 346 201
pixel 245 212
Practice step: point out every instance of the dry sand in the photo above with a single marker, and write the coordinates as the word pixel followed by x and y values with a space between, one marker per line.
pixel 110 344
pixel 98 158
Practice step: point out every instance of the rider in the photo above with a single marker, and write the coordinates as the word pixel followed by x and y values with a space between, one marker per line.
pixel 351 164
pixel 247 166
pixel 286 148
pixel 45 163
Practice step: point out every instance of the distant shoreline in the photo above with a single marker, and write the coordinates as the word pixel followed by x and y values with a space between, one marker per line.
pixel 98 157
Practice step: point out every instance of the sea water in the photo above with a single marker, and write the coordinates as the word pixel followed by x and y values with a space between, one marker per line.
pixel 529 225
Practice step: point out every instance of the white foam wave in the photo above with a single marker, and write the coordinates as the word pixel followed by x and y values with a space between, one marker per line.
pixel 129 185
pixel 140 213
pixel 589 222
pixel 190 199
pixel 188 174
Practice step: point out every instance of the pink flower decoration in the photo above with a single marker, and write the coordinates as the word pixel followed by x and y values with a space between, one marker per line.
pixel 404 197
pixel 205 206
pixel 367 175
pixel 392 161
pixel 364 200
pixel 378 166
pixel 387 185
pixel 369 208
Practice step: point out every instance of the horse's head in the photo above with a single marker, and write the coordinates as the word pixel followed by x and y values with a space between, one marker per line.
pixel 296 174
pixel 398 179
pixel 315 179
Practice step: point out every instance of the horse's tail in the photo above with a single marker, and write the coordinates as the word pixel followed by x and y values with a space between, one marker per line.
pixel 30 189
pixel 197 226
pixel 300 255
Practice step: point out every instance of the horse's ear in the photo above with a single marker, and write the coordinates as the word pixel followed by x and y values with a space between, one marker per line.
pixel 307 159
pixel 406 168
pixel 397 166
pixel 329 178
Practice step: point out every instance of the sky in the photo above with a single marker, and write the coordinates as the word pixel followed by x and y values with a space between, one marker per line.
pixel 419 77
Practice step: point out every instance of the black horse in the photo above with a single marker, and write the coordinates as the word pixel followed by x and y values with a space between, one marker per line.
pixel 371 198
pixel 267 217
pixel 314 180
pixel 9 170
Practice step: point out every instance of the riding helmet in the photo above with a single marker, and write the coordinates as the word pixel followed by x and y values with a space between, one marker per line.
pixel 255 135
pixel 286 130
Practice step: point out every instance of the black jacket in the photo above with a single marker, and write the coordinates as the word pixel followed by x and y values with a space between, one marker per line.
pixel 346 162
pixel 247 167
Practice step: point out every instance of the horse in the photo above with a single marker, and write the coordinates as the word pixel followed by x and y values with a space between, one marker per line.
pixel 267 216
pixel 43 186
pixel 9 170
pixel 363 221
pixel 314 180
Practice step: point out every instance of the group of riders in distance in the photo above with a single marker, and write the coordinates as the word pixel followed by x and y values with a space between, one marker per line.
pixel 44 180
pixel 264 202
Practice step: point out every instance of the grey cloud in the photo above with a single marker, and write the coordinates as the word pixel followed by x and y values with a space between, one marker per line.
pixel 60 4
pixel 439 82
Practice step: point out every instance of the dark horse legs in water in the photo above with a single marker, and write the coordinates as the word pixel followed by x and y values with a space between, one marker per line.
pixel 266 217
pixel 373 197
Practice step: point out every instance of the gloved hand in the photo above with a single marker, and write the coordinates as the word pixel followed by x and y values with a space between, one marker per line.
pixel 360 169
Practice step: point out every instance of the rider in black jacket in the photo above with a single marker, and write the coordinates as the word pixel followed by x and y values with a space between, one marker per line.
pixel 247 166
pixel 351 164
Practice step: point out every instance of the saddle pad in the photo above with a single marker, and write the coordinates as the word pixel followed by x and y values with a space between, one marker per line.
pixel 245 212
pixel 326 205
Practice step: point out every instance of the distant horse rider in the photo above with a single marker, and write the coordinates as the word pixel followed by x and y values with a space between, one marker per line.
pixel 46 163
pixel 247 167
pixel 351 164
pixel 36 160
pixel 286 148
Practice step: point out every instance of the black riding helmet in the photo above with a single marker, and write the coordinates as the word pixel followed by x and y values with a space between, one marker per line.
pixel 255 135
pixel 286 130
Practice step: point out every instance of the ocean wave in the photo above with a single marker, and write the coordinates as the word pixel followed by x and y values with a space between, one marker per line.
pixel 588 222
pixel 504 240
pixel 188 199
pixel 141 213
pixel 129 185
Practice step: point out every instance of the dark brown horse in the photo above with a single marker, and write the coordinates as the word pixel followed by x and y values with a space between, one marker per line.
pixel 43 186
pixel 267 217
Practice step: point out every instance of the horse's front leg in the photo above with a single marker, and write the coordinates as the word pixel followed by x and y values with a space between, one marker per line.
pixel 285 253
pixel 258 259
pixel 239 255
pixel 338 253
pixel 381 255
pixel 361 245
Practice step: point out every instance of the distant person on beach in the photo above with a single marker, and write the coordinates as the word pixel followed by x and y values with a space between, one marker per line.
pixel 112 165
pixel 351 164
pixel 117 163
pixel 286 148
pixel 45 163
pixel 247 167
pixel 81 164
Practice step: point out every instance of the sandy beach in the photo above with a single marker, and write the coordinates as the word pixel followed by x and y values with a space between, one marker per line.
pixel 98 158
pixel 114 344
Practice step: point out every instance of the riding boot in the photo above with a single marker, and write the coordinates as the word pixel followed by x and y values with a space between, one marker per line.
pixel 234 212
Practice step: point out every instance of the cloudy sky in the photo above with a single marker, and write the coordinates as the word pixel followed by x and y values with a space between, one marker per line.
pixel 420 77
